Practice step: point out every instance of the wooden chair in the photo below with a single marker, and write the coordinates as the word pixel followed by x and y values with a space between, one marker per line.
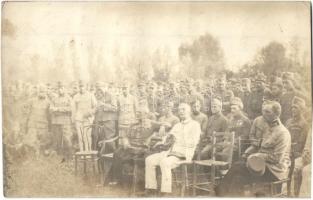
pixel 87 156
pixel 106 157
pixel 182 178
pixel 205 185
pixel 136 162
pixel 270 189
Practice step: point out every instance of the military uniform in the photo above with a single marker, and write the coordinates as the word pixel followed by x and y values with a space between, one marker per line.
pixel 255 104
pixel 274 149
pixel 126 117
pixel 105 122
pixel 259 128
pixel 240 125
pixel 84 104
pixel 217 123
pixel 298 129
pixel 38 136
pixel 60 111
pixel 286 101
pixel 137 138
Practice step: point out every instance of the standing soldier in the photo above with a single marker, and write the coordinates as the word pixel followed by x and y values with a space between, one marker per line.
pixel 84 104
pixel 38 137
pixel 105 120
pixel 198 116
pixel 127 109
pixel 297 125
pixel 298 129
pixel 152 99
pixel 60 111
pixel 286 99
pixel 246 94
pixel 277 89
pixel 207 100
pixel 256 98
pixel 141 93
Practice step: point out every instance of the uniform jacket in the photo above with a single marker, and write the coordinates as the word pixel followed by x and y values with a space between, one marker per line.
pixel 298 129
pixel 60 110
pixel 276 146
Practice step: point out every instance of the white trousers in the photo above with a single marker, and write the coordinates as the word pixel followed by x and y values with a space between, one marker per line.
pixel 166 164
pixel 84 135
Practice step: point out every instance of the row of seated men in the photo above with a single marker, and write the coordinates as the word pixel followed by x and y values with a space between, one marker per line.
pixel 166 141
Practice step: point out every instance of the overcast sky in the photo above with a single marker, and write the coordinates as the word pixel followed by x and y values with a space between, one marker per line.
pixel 242 28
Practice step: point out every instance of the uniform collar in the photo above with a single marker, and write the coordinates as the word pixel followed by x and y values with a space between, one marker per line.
pixel 275 123
pixel 186 121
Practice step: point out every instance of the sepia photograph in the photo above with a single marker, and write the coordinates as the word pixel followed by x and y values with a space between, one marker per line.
pixel 156 99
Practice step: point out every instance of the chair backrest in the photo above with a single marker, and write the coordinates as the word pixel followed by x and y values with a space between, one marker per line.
pixel 224 141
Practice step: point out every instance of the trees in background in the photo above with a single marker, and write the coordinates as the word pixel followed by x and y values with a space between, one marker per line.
pixel 203 56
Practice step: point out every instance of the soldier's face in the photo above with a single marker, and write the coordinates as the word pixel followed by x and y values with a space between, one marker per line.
pixel 276 90
pixel 196 107
pixel 268 113
pixel 61 90
pixel 259 85
pixel 245 87
pixel 125 90
pixel 215 108
pixel 221 84
pixel 235 109
pixel 287 85
pixel 81 88
pixel 295 111
pixel 75 89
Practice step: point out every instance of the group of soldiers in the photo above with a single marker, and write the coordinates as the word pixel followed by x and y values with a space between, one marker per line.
pixel 64 119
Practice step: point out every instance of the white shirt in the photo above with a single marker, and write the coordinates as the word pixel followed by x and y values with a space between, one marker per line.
pixel 187 135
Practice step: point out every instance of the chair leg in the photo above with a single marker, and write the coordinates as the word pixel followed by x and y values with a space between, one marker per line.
pixel 75 165
pixel 194 180
pixel 94 165
pixel 85 166
pixel 134 178
pixel 184 177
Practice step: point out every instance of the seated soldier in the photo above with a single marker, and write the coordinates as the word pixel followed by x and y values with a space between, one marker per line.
pixel 238 123
pixel 268 163
pixel 217 122
pixel 162 127
pixel 185 137
pixel 135 143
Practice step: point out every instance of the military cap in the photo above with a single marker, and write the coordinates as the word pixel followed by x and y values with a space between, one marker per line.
pixel 229 93
pixel 256 164
pixel 80 83
pixel 267 94
pixel 124 85
pixel 236 101
pixel 298 102
pixel 260 77
pixel 278 82
pixel 60 84
pixel 216 100
pixel 288 75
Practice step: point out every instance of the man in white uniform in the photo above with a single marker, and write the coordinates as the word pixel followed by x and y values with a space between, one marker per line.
pixel 186 135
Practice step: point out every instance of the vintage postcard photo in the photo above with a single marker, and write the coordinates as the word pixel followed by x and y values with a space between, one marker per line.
pixel 156 99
